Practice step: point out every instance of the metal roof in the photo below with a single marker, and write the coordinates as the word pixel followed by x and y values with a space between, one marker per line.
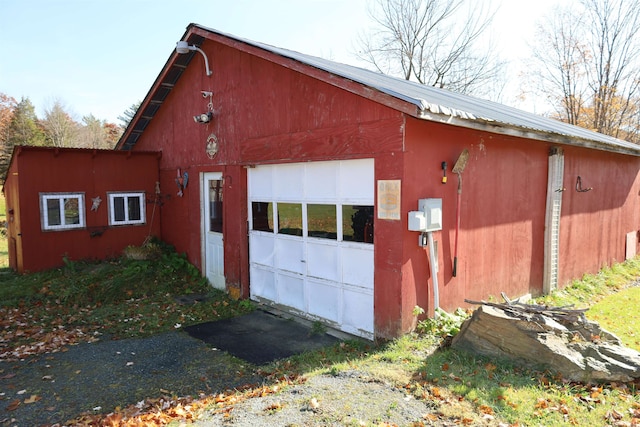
pixel 434 104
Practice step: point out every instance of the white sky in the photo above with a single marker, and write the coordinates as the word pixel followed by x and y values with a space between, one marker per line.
pixel 100 57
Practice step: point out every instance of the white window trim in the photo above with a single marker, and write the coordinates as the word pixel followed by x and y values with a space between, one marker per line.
pixel 127 221
pixel 44 213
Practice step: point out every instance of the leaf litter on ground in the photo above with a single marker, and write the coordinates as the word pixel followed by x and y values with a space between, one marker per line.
pixel 46 325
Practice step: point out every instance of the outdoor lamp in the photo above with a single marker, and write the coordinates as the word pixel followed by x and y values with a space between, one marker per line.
pixel 184 47
pixel 203 118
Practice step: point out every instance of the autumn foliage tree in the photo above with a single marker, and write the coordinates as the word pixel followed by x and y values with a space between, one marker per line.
pixel 19 125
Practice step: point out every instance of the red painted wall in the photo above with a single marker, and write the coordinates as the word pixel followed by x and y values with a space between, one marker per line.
pixel 502 212
pixel 264 114
pixel 39 169
pixel 274 113
pixel 595 223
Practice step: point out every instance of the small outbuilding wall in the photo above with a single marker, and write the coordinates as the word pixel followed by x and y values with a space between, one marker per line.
pixel 60 175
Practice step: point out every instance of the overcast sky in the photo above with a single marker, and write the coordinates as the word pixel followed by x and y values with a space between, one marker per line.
pixel 100 57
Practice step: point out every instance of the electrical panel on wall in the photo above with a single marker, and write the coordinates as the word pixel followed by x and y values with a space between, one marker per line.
pixel 428 217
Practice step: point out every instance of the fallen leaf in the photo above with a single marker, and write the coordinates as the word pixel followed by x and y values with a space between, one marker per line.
pixel 33 399
pixel 14 405
pixel 486 409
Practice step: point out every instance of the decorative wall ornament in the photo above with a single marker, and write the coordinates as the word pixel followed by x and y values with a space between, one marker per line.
pixel 212 146
pixel 95 203
pixel 182 180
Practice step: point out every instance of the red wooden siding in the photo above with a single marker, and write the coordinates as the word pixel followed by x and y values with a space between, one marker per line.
pixel 264 114
pixel 270 109
pixel 595 222
pixel 502 212
pixel 37 169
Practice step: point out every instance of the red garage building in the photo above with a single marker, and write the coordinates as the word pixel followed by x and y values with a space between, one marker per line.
pixel 302 174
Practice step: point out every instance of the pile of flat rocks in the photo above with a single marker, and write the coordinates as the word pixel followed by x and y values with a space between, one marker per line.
pixel 559 339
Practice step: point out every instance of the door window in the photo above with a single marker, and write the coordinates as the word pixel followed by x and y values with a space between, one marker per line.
pixel 215 205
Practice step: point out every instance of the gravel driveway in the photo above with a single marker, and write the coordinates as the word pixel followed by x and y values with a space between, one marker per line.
pixel 53 388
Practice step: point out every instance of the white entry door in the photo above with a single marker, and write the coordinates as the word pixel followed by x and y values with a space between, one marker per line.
pixel 311 240
pixel 212 225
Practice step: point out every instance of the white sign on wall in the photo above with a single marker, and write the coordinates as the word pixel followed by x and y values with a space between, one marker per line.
pixel 389 199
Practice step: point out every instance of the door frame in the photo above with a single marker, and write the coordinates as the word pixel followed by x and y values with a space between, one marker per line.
pixel 204 216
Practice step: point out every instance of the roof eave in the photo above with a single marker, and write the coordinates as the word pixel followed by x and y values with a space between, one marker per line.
pixel 523 132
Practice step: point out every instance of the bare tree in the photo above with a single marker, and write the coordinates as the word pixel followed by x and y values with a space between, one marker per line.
pixel 587 60
pixel 615 71
pixel 562 57
pixel 433 42
pixel 93 134
pixel 60 129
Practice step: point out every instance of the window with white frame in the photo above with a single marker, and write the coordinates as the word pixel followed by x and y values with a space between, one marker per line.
pixel 126 208
pixel 62 211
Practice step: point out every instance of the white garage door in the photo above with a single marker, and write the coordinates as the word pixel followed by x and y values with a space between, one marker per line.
pixel 311 240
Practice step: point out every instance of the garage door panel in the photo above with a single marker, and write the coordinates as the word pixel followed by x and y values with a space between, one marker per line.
pixel 289 182
pixel 357 180
pixel 323 262
pixel 262 249
pixel 290 255
pixel 325 300
pixel 263 283
pixel 291 291
pixel 357 311
pixel 261 184
pixel 359 270
pixel 321 182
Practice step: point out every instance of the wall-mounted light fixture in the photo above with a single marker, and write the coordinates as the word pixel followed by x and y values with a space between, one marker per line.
pixel 203 118
pixel 184 47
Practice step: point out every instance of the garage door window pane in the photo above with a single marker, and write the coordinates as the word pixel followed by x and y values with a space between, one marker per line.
pixel 321 221
pixel 262 214
pixel 357 223
pixel 290 219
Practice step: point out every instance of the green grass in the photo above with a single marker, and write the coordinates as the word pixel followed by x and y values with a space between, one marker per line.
pixel 120 298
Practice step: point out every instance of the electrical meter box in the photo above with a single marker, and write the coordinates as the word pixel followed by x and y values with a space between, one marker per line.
pixel 428 217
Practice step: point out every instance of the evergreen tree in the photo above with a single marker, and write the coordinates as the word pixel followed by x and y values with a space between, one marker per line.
pixel 23 129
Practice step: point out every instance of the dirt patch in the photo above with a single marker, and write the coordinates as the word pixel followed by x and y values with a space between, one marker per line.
pixel 348 398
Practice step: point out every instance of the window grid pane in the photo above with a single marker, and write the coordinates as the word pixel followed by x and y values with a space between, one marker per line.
pixel 290 219
pixel 62 211
pixel 133 204
pixel 357 223
pixel 262 215
pixel 126 208
pixel 71 211
pixel 321 221
pixel 53 212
